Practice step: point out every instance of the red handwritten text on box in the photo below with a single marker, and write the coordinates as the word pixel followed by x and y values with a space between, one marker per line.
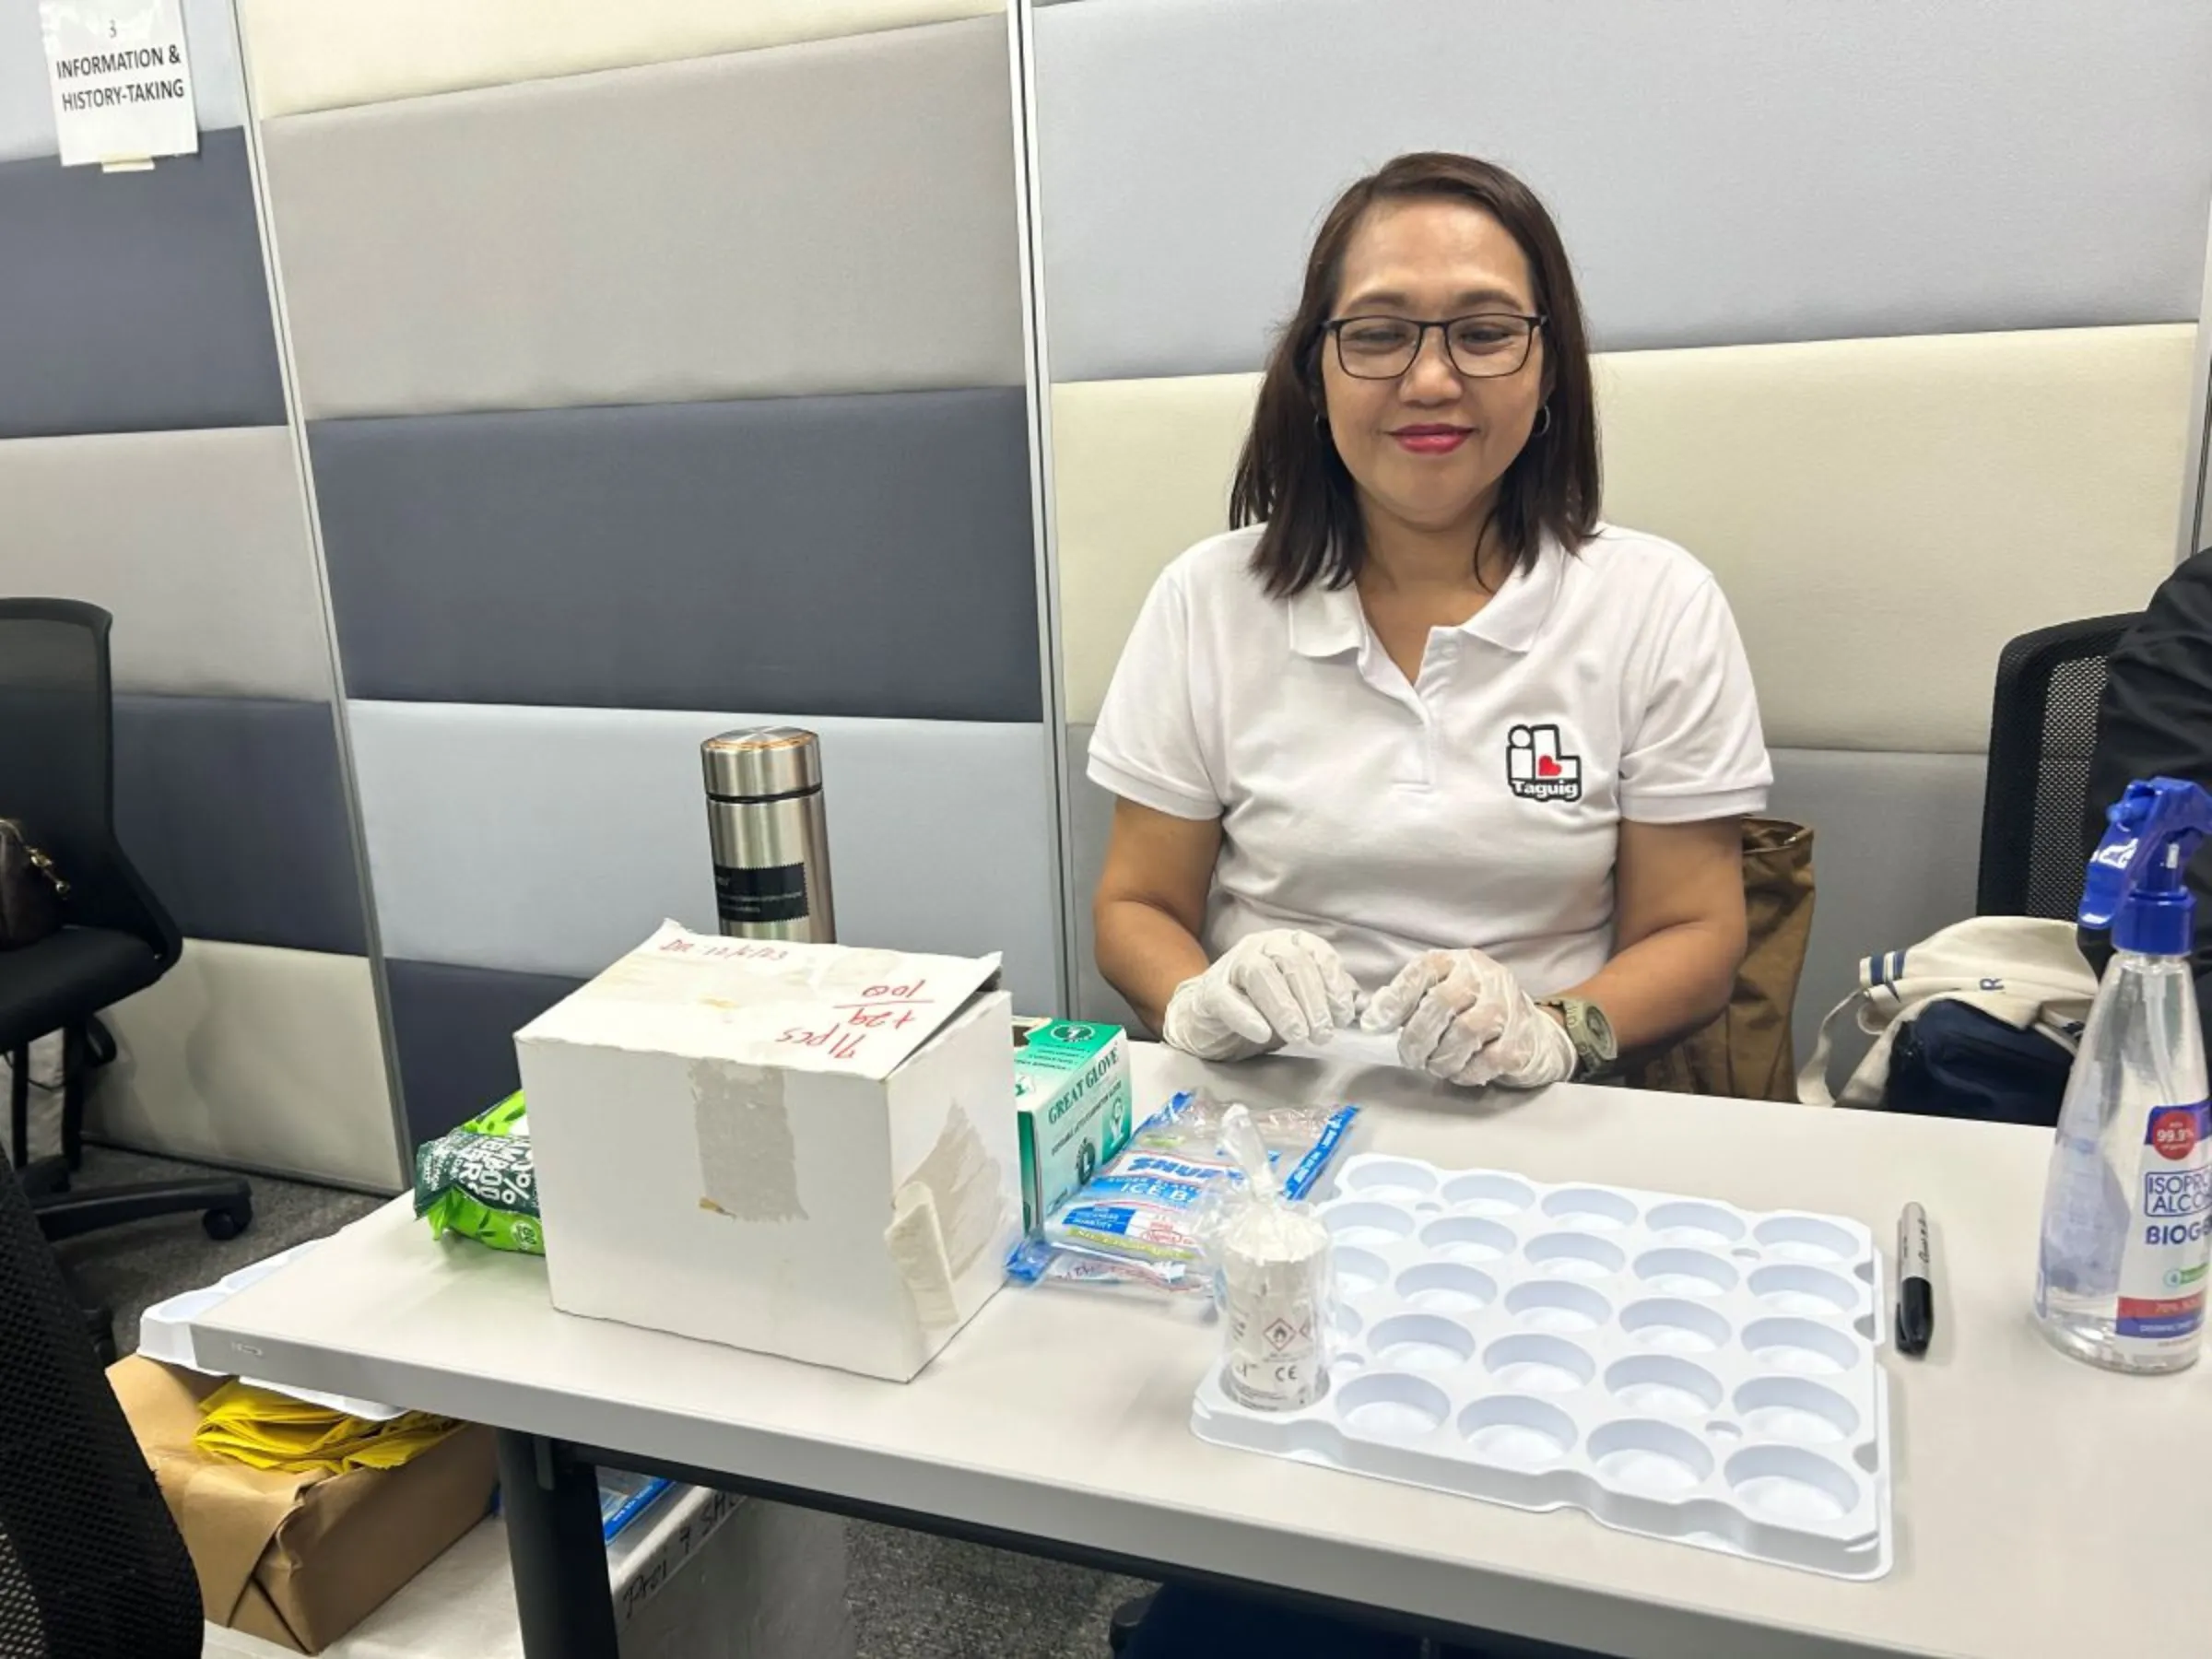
pixel 843 1044
pixel 732 950
pixel 881 1009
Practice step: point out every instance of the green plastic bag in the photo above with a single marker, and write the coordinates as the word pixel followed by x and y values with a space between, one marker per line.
pixel 479 1181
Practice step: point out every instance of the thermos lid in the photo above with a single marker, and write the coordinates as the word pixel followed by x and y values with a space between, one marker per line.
pixel 762 763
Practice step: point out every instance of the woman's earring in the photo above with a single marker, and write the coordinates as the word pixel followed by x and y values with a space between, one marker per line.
pixel 1543 420
pixel 1321 423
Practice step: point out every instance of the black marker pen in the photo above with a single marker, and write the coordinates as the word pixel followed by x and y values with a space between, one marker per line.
pixel 1915 1283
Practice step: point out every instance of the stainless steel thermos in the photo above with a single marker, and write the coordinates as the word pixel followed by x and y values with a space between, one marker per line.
pixel 769 837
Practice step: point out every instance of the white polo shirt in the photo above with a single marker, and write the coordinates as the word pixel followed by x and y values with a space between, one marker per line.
pixel 1479 806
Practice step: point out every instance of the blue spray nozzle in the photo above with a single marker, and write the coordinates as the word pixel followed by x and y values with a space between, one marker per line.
pixel 2134 885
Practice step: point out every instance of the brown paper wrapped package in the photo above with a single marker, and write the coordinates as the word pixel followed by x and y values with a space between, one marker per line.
pixel 298 1559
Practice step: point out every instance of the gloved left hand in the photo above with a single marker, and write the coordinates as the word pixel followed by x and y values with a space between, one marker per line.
pixel 1462 1017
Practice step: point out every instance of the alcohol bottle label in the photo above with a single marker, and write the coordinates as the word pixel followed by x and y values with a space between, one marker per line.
pixel 2163 1272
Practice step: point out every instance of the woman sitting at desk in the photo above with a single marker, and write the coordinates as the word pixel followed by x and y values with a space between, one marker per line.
pixel 1422 723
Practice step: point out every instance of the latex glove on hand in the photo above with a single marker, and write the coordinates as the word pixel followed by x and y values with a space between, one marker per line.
pixel 1266 990
pixel 1462 1017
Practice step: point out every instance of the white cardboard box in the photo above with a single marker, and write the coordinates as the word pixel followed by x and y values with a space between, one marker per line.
pixel 804 1149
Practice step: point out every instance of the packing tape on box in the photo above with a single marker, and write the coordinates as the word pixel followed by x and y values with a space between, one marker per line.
pixel 916 1242
pixel 968 1186
pixel 747 1163
pixel 946 1215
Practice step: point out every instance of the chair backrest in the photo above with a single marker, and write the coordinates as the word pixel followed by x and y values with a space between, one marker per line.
pixel 91 1565
pixel 57 765
pixel 2042 734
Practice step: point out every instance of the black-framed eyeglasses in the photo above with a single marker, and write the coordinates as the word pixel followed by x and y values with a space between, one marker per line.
pixel 1482 346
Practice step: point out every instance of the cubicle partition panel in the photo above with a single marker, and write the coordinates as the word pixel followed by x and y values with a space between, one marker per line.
pixel 664 370
pixel 658 368
pixel 1895 317
pixel 147 465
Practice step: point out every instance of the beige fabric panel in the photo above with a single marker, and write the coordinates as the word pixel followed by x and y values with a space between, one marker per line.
pixel 826 218
pixel 321 54
pixel 266 1058
pixel 1884 515
pixel 195 540
pixel 1140 471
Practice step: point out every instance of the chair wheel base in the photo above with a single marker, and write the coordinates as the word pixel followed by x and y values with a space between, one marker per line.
pixel 1126 1617
pixel 45 1177
pixel 228 1223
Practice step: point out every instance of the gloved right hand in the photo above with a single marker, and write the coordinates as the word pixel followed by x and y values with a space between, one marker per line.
pixel 1286 985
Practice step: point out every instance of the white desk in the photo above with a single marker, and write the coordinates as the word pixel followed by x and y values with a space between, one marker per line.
pixel 2042 1507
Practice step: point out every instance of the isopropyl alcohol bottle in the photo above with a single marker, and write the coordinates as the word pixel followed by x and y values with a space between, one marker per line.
pixel 2121 1278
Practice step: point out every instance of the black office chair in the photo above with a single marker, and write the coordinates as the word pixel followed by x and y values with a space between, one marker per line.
pixel 2042 734
pixel 57 779
pixel 91 1565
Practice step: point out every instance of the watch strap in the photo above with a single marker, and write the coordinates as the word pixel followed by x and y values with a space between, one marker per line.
pixel 1588 1029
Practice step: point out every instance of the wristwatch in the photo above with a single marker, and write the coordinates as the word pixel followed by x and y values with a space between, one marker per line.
pixel 1595 1052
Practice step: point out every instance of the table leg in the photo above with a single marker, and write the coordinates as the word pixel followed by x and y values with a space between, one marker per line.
pixel 551 1503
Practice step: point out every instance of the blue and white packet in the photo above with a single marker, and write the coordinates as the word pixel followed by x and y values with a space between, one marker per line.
pixel 1143 1219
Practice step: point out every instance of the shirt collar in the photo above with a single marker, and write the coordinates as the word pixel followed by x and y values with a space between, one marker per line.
pixel 1515 614
pixel 1326 622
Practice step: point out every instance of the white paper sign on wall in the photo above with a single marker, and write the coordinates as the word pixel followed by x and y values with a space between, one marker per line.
pixel 122 87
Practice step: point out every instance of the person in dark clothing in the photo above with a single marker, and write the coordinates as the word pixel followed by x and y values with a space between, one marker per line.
pixel 2156 721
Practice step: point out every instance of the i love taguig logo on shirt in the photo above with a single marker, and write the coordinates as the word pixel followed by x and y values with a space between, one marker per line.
pixel 1538 769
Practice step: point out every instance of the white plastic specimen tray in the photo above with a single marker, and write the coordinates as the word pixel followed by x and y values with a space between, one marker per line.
pixel 1674 1365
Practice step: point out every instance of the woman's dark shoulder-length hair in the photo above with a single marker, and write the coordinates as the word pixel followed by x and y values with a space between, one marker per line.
pixel 1290 476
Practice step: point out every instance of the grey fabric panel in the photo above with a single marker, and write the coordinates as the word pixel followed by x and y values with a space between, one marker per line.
pixel 1722 176
pixel 551 840
pixel 196 541
pixel 1895 842
pixel 844 555
pixel 233 811
pixel 837 215
pixel 328 54
pixel 134 301
pixel 454 1031
pixel 27 109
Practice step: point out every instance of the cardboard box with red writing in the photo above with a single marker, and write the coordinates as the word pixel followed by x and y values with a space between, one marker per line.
pixel 804 1149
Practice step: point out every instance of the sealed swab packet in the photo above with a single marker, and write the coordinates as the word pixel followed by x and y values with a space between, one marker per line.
pixel 1271 1260
pixel 1143 1219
